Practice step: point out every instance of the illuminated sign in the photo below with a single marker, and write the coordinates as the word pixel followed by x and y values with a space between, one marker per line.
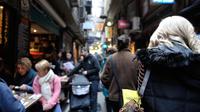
pixel 163 1
pixel 108 32
pixel 123 24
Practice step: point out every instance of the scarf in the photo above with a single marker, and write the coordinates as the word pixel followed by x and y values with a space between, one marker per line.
pixel 175 29
pixel 45 85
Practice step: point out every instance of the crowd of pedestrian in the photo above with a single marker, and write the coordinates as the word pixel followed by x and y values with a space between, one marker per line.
pixel 172 57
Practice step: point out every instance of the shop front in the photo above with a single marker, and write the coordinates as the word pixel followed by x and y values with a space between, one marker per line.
pixel 42 42
pixel 44 34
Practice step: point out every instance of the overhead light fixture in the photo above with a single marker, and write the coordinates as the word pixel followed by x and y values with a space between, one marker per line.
pixel 109 23
pixel 34 30
pixel 98 42
pixel 96 48
pixel 109 46
pixel 1 7
pixel 91 47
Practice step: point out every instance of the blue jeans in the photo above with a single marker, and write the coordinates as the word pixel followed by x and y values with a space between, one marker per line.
pixel 93 95
pixel 57 108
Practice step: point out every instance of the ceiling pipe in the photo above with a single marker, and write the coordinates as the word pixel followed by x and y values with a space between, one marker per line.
pixel 46 6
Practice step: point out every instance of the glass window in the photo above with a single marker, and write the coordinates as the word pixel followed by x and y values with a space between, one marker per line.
pixel 1 19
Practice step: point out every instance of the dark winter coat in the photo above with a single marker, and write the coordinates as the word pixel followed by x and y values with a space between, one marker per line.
pixel 89 64
pixel 26 79
pixel 174 83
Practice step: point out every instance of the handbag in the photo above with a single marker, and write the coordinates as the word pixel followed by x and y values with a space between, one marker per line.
pixel 131 99
pixel 131 106
pixel 134 105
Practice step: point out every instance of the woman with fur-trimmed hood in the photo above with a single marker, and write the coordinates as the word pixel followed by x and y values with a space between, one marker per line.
pixel 174 60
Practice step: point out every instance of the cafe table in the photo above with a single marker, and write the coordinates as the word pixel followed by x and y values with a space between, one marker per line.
pixel 27 99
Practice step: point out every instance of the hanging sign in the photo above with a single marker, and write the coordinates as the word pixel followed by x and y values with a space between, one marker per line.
pixel 123 24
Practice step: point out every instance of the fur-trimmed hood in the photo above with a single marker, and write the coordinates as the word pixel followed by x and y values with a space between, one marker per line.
pixel 177 56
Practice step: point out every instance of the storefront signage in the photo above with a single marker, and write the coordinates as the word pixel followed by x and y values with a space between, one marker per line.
pixel 123 24
pixel 136 23
pixel 108 32
pixel 163 1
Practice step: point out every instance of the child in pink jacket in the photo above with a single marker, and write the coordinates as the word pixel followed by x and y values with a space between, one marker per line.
pixel 48 85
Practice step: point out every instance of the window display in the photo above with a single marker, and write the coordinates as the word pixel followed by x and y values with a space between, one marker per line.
pixel 3 26
pixel 42 44
pixel 1 21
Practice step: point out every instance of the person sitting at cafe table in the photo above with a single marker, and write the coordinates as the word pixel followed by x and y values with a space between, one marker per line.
pixel 8 102
pixel 48 84
pixel 24 76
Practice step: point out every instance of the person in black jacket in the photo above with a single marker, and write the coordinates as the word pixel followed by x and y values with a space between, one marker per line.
pixel 90 68
pixel 173 57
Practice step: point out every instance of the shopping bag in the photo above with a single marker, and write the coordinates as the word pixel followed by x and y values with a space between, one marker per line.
pixel 129 95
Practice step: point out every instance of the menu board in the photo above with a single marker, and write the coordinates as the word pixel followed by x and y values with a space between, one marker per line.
pixel 23 36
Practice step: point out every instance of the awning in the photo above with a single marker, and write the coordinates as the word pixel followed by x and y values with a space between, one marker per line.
pixel 75 35
pixel 64 10
pixel 43 20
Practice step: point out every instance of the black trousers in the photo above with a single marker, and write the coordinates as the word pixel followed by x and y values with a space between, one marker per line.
pixel 115 106
pixel 108 105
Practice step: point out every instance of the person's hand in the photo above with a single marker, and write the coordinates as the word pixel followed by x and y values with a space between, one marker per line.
pixel 64 78
pixel 84 72
pixel 23 87
pixel 45 107
pixel 12 86
pixel 17 97
pixel 66 70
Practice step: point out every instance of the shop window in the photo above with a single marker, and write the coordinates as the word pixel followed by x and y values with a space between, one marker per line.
pixel 1 21
pixel 41 45
pixel 3 26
